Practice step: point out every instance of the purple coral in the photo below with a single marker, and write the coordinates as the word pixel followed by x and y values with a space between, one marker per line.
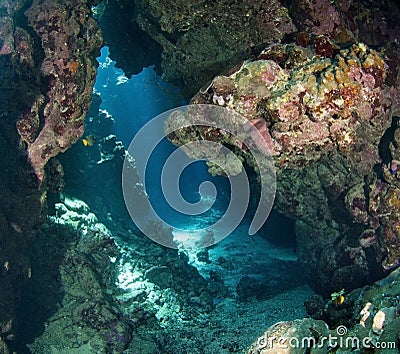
pixel 322 119
pixel 70 38
pixel 320 16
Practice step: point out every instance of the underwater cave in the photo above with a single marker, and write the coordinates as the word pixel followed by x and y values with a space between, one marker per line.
pixel 199 177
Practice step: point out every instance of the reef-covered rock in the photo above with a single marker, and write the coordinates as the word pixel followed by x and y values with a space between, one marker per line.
pixel 367 320
pixel 372 22
pixel 73 272
pixel 70 40
pixel 200 39
pixel 327 120
pixel 97 291
pixel 203 38
pixel 47 59
pixel 51 48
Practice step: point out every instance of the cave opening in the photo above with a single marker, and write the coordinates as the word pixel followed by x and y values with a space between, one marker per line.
pixel 79 272
pixel 132 102
pixel 253 273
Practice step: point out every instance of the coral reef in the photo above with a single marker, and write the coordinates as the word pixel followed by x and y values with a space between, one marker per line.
pixel 47 56
pixel 326 108
pixel 101 292
pixel 200 39
pixel 367 321
pixel 70 40
pixel 71 273
pixel 323 120
pixel 307 105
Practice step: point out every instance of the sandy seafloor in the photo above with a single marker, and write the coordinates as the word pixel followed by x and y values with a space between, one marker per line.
pixel 151 290
pixel 235 323
pixel 178 319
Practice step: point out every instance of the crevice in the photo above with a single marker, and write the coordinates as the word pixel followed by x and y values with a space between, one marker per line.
pixel 22 21
pixel 387 139
pixel 131 47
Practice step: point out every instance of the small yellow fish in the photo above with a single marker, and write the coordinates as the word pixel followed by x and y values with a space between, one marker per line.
pixel 338 297
pixel 88 140
pixel 339 300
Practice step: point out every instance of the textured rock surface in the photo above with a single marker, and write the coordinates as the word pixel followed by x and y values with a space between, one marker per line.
pixel 73 277
pixel 203 38
pixel 200 39
pixel 70 41
pixel 323 119
pixel 47 59
pixel 367 321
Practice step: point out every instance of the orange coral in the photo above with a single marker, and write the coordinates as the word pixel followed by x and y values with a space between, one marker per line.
pixel 73 66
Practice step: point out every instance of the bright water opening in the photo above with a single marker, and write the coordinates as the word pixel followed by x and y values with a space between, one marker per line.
pixel 132 103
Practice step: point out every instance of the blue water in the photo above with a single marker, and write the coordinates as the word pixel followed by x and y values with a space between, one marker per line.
pixel 132 103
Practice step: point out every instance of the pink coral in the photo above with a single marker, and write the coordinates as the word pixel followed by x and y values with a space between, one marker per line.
pixel 69 67
pixel 261 125
pixel 321 16
pixel 289 111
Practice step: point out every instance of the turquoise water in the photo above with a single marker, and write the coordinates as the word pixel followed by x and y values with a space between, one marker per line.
pixel 132 103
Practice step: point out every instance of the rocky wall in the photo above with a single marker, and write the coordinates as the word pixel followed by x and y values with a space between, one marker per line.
pixel 367 321
pixel 47 58
pixel 326 114
pixel 204 38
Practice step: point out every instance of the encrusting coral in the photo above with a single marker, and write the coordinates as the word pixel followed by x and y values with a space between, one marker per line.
pixel 323 119
pixel 70 39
